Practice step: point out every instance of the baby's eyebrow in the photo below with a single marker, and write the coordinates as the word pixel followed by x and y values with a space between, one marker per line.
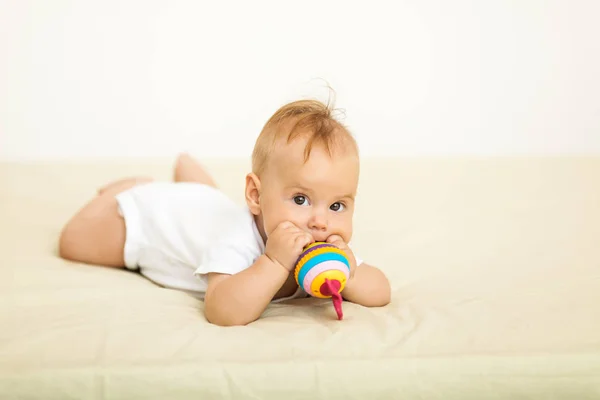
pixel 300 188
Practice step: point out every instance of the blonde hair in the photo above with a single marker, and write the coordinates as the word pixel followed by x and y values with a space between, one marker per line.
pixel 306 117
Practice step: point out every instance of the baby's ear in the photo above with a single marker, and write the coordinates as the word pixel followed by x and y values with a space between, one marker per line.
pixel 252 193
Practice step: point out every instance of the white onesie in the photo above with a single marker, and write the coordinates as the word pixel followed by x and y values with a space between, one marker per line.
pixel 177 233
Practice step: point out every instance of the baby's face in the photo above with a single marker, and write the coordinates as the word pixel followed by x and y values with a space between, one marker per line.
pixel 317 196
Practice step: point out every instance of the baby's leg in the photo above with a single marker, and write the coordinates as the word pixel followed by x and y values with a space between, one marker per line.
pixel 96 233
pixel 187 169
pixel 126 181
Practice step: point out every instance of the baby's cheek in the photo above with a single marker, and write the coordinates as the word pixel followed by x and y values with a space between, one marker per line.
pixel 348 231
pixel 270 220
pixel 272 224
pixel 269 228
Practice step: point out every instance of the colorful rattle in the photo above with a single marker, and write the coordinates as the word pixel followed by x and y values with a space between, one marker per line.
pixel 322 271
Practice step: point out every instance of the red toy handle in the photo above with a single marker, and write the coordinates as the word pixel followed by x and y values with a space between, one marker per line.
pixel 331 288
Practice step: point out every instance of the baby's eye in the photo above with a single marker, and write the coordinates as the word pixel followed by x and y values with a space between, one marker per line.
pixel 336 207
pixel 300 200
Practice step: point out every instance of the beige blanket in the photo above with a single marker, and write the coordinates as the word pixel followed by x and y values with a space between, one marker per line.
pixel 494 264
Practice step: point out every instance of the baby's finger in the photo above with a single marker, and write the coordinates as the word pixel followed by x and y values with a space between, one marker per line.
pixel 336 240
pixel 310 238
pixel 286 225
pixel 303 240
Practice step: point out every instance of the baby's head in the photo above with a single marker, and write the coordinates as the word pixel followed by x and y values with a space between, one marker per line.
pixel 305 169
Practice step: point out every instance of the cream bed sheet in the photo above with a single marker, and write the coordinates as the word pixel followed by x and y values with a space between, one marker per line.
pixel 494 264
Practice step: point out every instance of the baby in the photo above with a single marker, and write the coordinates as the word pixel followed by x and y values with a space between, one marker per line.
pixel 187 235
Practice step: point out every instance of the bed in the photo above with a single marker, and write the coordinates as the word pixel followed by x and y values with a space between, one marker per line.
pixel 495 272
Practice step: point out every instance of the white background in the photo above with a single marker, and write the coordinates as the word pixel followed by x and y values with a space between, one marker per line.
pixel 151 78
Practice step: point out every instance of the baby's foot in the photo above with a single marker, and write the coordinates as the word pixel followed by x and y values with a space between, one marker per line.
pixel 188 169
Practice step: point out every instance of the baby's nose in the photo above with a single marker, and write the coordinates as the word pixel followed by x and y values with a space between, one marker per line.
pixel 318 227
pixel 317 223
pixel 319 232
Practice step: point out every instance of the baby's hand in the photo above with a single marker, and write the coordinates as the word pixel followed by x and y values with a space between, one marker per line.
pixel 286 243
pixel 338 242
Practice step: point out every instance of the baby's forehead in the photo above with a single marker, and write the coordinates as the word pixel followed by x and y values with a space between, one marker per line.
pixel 336 172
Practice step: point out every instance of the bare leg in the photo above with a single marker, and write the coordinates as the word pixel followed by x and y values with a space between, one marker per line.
pixel 96 234
pixel 124 182
pixel 187 169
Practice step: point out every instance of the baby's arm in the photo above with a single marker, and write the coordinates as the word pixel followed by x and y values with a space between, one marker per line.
pixel 368 287
pixel 241 298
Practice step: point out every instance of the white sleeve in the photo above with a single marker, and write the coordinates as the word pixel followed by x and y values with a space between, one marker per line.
pixel 227 258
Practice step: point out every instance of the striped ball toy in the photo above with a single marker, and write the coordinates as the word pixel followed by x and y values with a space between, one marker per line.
pixel 322 270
